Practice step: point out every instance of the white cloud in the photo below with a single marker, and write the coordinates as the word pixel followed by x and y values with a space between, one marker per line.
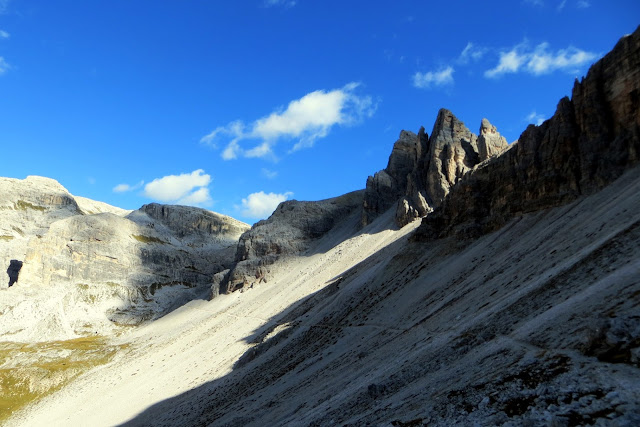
pixel 471 52
pixel 306 120
pixel 4 66
pixel 283 3
pixel 538 3
pixel 261 204
pixel 187 188
pixel 562 4
pixel 510 62
pixel 123 188
pixel 261 150
pixel 4 34
pixel 4 4
pixel 269 173
pixel 540 60
pixel 433 78
pixel 536 118
pixel 583 4
pixel 231 151
pixel 198 197
pixel 234 129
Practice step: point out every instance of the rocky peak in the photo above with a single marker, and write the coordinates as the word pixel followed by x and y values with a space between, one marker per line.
pixel 385 187
pixel 588 143
pixel 453 151
pixel 490 142
pixel 421 170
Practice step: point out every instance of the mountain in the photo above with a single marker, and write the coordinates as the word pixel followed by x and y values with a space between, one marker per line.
pixel 422 170
pixel 513 300
pixel 79 267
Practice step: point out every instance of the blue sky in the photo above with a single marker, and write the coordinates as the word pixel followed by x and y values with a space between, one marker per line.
pixel 237 105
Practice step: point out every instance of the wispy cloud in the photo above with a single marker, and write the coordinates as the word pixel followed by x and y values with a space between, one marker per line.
pixel 261 204
pixel 184 189
pixel 305 120
pixel 426 80
pixel 4 66
pixel 281 3
pixel 471 52
pixel 269 173
pixel 123 188
pixel 534 117
pixel 583 4
pixel 537 3
pixel 540 60
pixel 4 34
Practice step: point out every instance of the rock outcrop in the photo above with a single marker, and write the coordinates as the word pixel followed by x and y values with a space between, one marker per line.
pixel 290 230
pixel 27 208
pixel 421 170
pixel 588 143
pixel 74 273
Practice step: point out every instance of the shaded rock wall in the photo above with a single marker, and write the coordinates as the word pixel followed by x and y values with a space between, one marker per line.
pixel 290 230
pixel 590 141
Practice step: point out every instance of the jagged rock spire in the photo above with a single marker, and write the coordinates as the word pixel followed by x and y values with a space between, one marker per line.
pixel 421 170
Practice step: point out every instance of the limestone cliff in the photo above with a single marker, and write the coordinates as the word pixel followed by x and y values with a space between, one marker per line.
pixel 27 208
pixel 590 141
pixel 76 265
pixel 422 169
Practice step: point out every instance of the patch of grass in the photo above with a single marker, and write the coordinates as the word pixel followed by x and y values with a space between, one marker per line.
pixel 21 205
pixel 148 239
pixel 6 238
pixel 29 372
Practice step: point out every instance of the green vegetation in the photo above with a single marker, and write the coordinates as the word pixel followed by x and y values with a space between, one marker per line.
pixel 148 239
pixel 23 206
pixel 6 238
pixel 31 371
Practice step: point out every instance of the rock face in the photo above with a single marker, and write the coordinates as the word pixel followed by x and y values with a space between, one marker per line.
pixel 591 139
pixel 290 230
pixel 73 273
pixel 400 178
pixel 421 170
pixel 27 208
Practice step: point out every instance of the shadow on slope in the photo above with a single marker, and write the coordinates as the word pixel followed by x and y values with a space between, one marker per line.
pixel 534 322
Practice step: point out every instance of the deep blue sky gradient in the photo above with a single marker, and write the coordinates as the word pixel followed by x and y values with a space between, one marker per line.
pixel 100 93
